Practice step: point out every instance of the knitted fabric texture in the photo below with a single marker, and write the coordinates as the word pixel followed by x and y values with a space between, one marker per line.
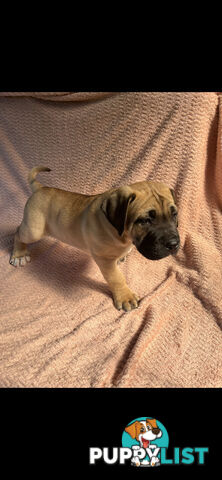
pixel 58 325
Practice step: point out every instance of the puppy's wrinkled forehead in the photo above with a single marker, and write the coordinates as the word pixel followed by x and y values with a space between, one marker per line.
pixel 152 195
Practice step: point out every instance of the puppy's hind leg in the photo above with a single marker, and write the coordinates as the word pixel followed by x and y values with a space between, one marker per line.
pixel 25 234
pixel 20 255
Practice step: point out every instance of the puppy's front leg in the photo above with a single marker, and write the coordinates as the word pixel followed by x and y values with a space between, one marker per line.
pixel 123 297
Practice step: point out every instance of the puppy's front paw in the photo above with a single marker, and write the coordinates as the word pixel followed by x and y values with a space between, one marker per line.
pixel 126 300
pixel 20 261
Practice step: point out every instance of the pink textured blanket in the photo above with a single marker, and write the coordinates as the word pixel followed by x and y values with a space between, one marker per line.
pixel 58 325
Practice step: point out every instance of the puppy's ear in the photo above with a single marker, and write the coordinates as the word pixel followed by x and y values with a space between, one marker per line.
pixel 115 207
pixel 173 195
pixel 151 422
pixel 131 429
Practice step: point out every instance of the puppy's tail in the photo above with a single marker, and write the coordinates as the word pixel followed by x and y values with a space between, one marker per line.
pixel 34 184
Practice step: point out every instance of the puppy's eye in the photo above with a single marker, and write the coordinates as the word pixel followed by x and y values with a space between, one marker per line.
pixel 152 213
pixel 142 430
pixel 173 211
pixel 143 221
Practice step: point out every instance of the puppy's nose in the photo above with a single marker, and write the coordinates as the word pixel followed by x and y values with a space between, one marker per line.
pixel 156 431
pixel 172 243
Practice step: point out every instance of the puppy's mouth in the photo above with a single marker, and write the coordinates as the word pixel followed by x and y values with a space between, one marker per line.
pixel 156 250
pixel 145 442
pixel 156 254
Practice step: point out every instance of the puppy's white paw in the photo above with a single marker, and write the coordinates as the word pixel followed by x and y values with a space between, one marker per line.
pixel 20 261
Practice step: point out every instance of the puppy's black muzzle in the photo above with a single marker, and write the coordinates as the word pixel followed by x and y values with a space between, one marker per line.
pixel 172 244
pixel 159 243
